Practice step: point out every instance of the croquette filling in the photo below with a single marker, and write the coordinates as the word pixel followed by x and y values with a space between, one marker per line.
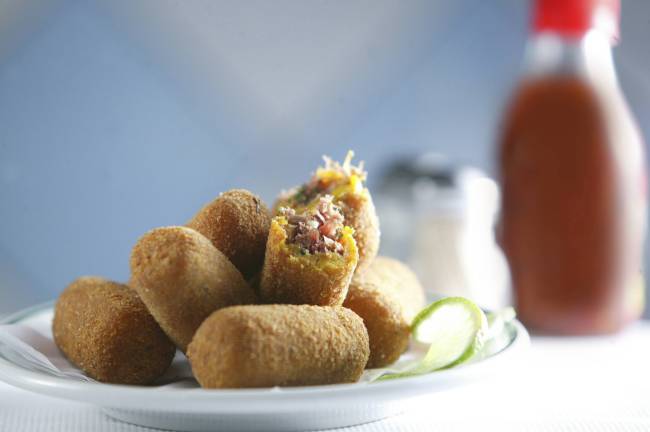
pixel 332 179
pixel 319 230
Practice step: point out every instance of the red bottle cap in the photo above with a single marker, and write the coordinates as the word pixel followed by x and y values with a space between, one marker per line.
pixel 573 18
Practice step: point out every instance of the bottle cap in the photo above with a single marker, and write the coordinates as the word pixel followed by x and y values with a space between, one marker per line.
pixel 573 18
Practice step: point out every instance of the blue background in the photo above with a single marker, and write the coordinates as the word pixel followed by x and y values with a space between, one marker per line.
pixel 119 117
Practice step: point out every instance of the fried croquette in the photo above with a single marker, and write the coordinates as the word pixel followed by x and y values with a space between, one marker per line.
pixel 106 330
pixel 346 183
pixel 310 258
pixel 387 295
pixel 183 278
pixel 237 223
pixel 279 345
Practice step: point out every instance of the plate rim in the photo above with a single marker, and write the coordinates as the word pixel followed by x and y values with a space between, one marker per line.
pixel 239 400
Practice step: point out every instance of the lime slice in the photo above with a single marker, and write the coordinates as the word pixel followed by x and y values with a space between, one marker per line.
pixel 454 328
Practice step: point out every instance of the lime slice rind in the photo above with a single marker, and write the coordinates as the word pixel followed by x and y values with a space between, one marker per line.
pixel 499 334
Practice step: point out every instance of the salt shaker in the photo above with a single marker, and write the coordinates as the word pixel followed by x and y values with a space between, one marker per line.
pixel 441 219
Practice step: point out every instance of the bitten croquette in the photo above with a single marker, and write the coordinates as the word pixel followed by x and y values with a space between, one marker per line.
pixel 106 330
pixel 310 258
pixel 387 295
pixel 182 278
pixel 279 345
pixel 237 223
pixel 346 183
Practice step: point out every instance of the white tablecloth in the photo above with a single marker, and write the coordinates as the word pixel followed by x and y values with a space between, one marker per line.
pixel 577 384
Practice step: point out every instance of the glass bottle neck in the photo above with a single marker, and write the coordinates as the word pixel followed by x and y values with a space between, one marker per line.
pixel 589 57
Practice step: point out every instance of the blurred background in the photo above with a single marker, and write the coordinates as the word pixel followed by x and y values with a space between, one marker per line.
pixel 117 117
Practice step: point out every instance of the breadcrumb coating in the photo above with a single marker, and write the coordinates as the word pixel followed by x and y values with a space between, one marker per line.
pixel 237 223
pixel 387 295
pixel 279 345
pixel 106 330
pixel 183 278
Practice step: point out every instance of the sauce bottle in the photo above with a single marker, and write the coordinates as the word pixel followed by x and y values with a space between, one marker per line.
pixel 572 170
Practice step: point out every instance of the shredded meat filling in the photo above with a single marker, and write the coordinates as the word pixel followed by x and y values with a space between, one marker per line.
pixel 318 231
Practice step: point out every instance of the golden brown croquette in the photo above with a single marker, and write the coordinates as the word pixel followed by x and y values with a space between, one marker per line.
pixel 279 345
pixel 183 278
pixel 387 295
pixel 237 223
pixel 106 330
pixel 304 266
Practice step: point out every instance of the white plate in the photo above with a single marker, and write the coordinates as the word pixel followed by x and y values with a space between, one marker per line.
pixel 281 409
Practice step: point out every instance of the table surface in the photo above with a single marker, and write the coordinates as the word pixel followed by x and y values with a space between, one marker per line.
pixel 581 384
